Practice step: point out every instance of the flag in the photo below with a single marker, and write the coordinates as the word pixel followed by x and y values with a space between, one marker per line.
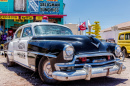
pixel 83 26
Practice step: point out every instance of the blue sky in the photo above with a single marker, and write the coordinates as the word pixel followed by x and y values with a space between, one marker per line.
pixel 107 12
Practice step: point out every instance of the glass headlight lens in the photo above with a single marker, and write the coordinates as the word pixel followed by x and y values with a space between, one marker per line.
pixel 69 51
pixel 118 50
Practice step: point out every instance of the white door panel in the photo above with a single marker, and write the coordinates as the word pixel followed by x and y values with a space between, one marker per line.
pixel 21 57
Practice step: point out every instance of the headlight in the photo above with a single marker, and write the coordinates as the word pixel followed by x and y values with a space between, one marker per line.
pixel 117 50
pixel 68 52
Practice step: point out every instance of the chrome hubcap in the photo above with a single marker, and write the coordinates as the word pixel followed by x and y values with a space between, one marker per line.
pixel 47 70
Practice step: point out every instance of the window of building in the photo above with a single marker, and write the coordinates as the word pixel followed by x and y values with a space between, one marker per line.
pixel 20 5
pixel 127 36
pixel 121 37
pixel 18 34
pixel 27 32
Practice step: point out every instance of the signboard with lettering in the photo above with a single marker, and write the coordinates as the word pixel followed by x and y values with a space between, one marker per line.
pixel 3 0
pixel 9 17
pixel 18 20
pixel 44 7
pixel 39 17
pixel 49 7
pixel 27 17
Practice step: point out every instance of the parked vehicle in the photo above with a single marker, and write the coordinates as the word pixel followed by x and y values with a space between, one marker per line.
pixel 102 40
pixel 58 55
pixel 124 42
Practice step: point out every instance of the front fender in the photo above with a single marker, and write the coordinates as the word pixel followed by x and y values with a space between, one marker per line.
pixel 110 47
pixel 53 50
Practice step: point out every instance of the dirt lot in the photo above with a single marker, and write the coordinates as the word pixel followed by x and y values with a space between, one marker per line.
pixel 20 76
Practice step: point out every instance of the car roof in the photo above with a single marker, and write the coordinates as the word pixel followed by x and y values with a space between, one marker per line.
pixel 128 31
pixel 42 23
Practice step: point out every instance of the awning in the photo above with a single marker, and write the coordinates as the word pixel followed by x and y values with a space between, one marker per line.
pixel 27 16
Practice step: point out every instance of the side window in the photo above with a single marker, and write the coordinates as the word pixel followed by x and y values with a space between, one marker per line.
pixel 18 34
pixel 127 36
pixel 121 37
pixel 27 32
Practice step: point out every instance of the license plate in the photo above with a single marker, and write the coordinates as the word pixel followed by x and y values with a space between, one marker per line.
pixel 99 60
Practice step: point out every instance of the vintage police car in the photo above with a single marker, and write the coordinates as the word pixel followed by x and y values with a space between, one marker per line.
pixel 58 55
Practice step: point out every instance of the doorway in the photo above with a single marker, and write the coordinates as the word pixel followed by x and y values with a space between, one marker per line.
pixel 2 25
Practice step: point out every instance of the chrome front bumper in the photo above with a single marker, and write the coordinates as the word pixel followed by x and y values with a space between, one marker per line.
pixel 88 72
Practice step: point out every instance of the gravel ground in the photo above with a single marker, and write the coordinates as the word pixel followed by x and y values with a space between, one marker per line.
pixel 20 76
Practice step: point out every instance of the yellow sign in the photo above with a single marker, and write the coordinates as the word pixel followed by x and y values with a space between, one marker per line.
pixel 39 17
pixel 9 17
pixel 19 20
pixel 3 0
pixel 27 17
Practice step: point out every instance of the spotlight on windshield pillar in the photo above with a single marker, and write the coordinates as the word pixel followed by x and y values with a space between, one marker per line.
pixel 45 19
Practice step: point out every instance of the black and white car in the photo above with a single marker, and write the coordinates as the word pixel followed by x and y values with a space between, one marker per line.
pixel 58 55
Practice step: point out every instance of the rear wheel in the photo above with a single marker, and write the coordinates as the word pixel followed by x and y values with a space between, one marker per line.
pixel 9 63
pixel 45 71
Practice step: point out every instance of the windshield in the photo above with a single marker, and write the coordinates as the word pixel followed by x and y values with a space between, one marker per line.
pixel 51 30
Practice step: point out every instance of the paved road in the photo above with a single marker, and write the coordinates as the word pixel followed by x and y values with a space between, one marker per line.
pixel 20 76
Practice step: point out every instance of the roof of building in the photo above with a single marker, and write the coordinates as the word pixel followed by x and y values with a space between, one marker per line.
pixel 122 26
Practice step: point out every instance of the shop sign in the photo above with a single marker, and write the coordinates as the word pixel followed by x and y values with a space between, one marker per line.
pixel 49 7
pixel 39 17
pixel 9 17
pixel 27 17
pixel 18 20
pixel 3 0
pixel 44 7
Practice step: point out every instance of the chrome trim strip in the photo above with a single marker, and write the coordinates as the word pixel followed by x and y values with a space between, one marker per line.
pixel 24 65
pixel 71 65
pixel 47 55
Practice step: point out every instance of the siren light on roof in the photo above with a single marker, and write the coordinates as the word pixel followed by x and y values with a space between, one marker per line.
pixel 45 19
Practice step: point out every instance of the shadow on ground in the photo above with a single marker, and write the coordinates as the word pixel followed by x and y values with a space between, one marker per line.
pixel 36 81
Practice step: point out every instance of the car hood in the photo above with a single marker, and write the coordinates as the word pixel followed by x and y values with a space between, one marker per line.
pixel 81 44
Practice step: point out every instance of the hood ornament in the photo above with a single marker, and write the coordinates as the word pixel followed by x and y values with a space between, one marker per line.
pixel 97 45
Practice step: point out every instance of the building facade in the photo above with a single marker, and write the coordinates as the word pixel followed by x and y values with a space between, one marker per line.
pixel 14 13
pixel 74 28
pixel 112 32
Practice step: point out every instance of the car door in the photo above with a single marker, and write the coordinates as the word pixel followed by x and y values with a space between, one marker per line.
pixel 16 40
pixel 23 45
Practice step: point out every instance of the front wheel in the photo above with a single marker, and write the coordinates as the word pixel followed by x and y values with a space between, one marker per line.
pixel 45 71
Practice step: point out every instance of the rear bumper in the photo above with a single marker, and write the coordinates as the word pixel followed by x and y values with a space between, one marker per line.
pixel 88 72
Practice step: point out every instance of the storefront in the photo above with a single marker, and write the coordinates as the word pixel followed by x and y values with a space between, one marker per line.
pixel 14 13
